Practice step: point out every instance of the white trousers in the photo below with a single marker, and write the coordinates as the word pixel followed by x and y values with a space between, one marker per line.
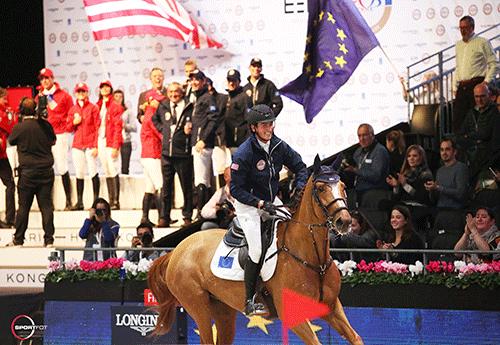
pixel 152 174
pixel 221 159
pixel 60 152
pixel 109 164
pixel 80 157
pixel 249 218
pixel 202 162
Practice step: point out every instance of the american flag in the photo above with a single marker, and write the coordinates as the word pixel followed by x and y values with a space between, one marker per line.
pixel 117 18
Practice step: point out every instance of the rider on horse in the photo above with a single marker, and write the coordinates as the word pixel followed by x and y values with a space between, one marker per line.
pixel 254 184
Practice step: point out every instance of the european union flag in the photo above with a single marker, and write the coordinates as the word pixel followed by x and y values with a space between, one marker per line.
pixel 338 38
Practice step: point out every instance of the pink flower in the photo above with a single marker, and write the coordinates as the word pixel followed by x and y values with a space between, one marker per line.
pixel 54 266
pixel 116 262
pixel 85 265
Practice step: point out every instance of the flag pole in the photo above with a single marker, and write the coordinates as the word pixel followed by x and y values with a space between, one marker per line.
pixel 387 57
pixel 106 75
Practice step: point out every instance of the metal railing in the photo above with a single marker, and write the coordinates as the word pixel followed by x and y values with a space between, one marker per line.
pixel 444 80
pixel 387 252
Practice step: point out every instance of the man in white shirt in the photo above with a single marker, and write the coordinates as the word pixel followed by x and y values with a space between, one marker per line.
pixel 475 63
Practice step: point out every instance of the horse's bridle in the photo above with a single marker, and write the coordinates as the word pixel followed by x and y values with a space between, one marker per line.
pixel 329 224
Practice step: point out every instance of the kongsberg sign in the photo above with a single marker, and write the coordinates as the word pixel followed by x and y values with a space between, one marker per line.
pixel 135 325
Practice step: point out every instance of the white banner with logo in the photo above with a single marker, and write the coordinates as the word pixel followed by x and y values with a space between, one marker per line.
pixel 408 30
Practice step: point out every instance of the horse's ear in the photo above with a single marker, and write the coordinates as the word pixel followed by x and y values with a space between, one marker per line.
pixel 317 165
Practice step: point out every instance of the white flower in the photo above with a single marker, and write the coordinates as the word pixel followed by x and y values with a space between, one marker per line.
pixel 458 264
pixel 347 267
pixel 130 267
pixel 144 265
pixel 73 264
pixel 416 269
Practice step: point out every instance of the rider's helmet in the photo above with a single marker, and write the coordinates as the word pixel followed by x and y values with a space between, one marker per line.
pixel 260 113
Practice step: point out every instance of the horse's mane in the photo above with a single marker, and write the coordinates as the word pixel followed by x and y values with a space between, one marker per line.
pixel 294 205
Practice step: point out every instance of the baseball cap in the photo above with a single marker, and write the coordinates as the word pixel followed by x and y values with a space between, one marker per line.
pixel 233 74
pixel 81 86
pixel 154 94
pixel 105 82
pixel 197 74
pixel 256 62
pixel 45 72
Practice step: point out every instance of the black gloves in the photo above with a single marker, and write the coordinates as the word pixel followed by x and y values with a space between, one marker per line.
pixel 269 207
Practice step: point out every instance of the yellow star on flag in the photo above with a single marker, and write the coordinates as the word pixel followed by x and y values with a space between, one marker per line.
pixel 340 61
pixel 320 73
pixel 330 18
pixel 342 48
pixel 341 34
pixel 259 321
pixel 306 56
pixel 308 39
pixel 328 64
pixel 321 15
pixel 308 69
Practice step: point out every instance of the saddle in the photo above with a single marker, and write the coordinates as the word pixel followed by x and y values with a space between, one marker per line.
pixel 235 238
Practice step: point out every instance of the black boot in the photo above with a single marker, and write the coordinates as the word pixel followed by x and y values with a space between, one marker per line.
pixel 66 181
pixel 251 274
pixel 111 190
pixel 116 184
pixel 222 181
pixel 147 200
pixel 96 185
pixel 79 192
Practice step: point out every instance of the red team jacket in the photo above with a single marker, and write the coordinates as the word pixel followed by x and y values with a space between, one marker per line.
pixel 114 122
pixel 86 133
pixel 150 137
pixel 6 126
pixel 58 117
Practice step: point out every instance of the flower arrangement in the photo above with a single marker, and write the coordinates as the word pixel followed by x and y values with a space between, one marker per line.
pixel 457 274
pixel 109 270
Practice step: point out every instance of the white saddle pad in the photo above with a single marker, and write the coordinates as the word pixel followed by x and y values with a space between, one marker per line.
pixel 225 263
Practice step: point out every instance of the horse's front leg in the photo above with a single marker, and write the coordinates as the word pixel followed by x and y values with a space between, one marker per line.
pixel 306 334
pixel 337 319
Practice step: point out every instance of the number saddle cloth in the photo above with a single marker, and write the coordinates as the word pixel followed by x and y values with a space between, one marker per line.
pixel 232 252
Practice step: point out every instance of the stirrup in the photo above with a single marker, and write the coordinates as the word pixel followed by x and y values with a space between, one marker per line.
pixel 252 308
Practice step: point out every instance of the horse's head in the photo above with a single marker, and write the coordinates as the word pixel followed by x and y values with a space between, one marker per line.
pixel 329 193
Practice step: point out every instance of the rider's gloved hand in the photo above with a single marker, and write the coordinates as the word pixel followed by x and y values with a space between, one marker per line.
pixel 268 206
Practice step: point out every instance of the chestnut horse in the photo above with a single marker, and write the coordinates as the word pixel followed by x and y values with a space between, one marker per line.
pixel 304 265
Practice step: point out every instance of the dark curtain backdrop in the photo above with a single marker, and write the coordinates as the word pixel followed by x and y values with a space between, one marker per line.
pixel 21 42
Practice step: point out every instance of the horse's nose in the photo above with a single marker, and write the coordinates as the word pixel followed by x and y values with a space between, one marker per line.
pixel 343 222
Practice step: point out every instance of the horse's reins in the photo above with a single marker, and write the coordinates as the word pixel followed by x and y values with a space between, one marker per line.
pixel 329 224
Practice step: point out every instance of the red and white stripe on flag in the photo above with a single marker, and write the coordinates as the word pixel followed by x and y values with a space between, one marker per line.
pixel 117 18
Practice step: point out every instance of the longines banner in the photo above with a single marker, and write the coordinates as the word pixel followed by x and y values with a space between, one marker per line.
pixel 275 31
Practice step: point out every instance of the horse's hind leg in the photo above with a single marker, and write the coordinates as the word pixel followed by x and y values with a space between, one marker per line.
pixel 198 307
pixel 306 334
pixel 337 319
pixel 225 320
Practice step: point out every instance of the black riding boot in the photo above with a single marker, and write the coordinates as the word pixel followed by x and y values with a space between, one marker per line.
pixel 201 196
pixel 251 274
pixel 147 200
pixel 79 192
pixel 111 190
pixel 66 181
pixel 96 185
pixel 116 185
pixel 222 181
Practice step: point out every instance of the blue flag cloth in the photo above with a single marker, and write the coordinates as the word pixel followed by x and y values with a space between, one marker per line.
pixel 338 38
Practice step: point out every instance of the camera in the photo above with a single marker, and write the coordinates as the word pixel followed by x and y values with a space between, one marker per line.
pixel 99 212
pixel 225 213
pixel 146 239
pixel 42 106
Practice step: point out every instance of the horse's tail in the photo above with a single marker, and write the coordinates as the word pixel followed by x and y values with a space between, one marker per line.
pixel 166 301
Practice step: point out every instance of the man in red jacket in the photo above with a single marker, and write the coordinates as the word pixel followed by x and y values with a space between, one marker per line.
pixel 6 125
pixel 58 102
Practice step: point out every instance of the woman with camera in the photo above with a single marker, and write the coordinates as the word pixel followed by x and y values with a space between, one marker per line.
pixel 99 231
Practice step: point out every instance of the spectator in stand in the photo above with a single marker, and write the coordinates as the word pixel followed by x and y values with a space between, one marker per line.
pixel 110 140
pixel 99 231
pixel 480 233
pixel 34 138
pixel 150 157
pixel 402 236
pixel 129 126
pixel 143 239
pixel 371 170
pixel 238 104
pixel 430 93
pixel 54 103
pixel 84 121
pixel 478 136
pixel 205 121
pixel 221 156
pixel 173 120
pixel 409 185
pixel 189 67
pixel 396 146
pixel 219 210
pixel 452 178
pixel 156 77
pixel 6 125
pixel 362 235
pixel 476 63
pixel 261 90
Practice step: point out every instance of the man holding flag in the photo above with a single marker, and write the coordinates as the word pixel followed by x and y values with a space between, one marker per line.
pixel 338 38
